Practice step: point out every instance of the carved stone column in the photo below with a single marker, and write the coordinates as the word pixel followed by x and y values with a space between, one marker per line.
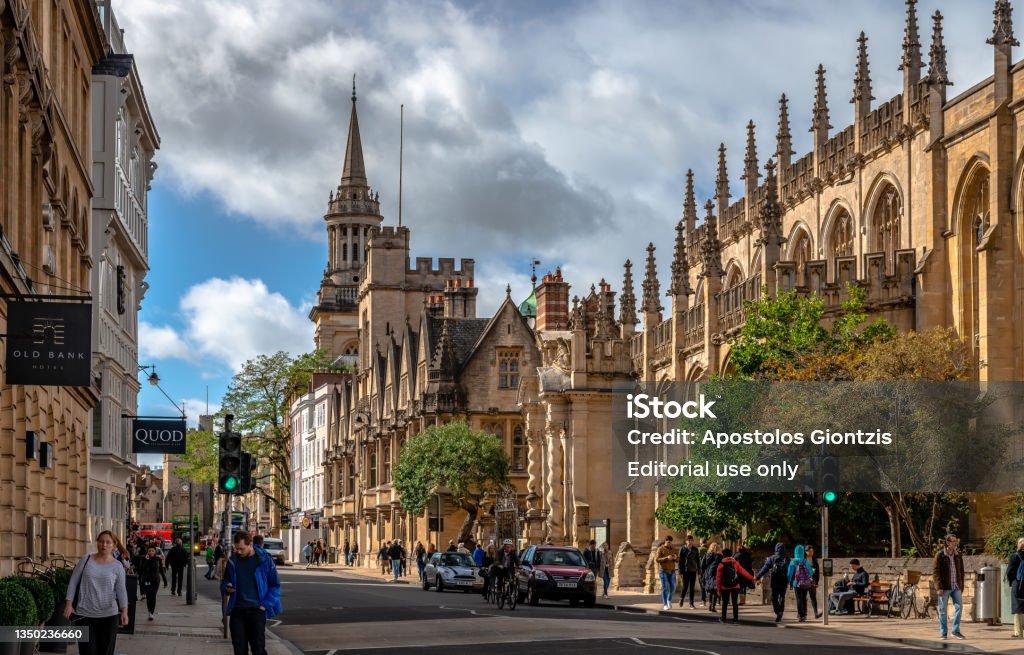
pixel 555 491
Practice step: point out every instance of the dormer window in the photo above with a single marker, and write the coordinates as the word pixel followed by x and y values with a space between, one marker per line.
pixel 508 368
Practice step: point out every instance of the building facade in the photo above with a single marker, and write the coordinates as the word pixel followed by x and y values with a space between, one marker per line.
pixel 148 496
pixel 46 187
pixel 124 143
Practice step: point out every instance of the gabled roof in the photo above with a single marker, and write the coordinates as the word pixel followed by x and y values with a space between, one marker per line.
pixel 508 305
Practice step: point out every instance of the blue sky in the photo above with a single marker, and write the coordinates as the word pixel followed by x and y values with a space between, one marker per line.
pixel 561 131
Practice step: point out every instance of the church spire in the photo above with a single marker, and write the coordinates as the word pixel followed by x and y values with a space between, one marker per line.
pixel 651 287
pixel 710 248
pixel 355 171
pixel 862 79
pixel 722 181
pixel 1002 25
pixel 819 116
pixel 690 205
pixel 627 301
pixel 911 63
pixel 784 138
pixel 937 74
pixel 680 283
pixel 750 172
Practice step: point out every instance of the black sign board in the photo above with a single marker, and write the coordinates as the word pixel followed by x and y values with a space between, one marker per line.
pixel 826 566
pixel 165 436
pixel 49 343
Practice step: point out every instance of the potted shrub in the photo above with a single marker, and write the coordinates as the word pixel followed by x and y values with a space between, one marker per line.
pixel 17 609
pixel 42 595
pixel 59 589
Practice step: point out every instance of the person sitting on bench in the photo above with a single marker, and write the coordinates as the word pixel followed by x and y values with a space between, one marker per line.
pixel 840 602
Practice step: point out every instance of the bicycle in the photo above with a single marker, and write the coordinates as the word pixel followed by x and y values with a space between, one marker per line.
pixel 509 591
pixel 27 567
pixel 904 599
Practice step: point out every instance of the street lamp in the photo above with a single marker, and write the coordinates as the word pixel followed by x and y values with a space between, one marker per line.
pixel 154 380
pixel 190 585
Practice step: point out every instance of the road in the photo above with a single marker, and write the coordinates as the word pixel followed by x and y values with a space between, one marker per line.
pixel 328 612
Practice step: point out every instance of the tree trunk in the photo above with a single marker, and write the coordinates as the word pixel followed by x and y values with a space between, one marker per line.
pixel 466 532
pixel 894 524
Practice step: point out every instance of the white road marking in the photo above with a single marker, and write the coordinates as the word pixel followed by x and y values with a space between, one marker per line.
pixel 688 650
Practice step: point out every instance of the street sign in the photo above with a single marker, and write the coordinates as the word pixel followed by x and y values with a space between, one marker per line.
pixel 158 436
pixel 826 567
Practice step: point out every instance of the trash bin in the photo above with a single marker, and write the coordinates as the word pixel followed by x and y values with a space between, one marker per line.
pixel 986 595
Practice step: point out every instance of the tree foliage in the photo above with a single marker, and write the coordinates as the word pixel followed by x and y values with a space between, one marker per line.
pixel 200 458
pixel 453 457
pixel 1008 529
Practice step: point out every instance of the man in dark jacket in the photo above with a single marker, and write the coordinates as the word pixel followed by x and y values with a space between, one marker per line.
pixel 776 568
pixel 689 563
pixel 1015 578
pixel 949 577
pixel 839 601
pixel 590 556
pixel 254 594
pixel 395 556
pixel 177 559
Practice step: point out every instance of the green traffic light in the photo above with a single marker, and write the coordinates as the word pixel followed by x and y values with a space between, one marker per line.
pixel 231 483
pixel 829 496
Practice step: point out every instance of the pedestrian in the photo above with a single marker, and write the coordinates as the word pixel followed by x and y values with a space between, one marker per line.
pixel 307 553
pixel 177 559
pixel 709 572
pixel 462 548
pixel 727 584
pixel 218 557
pixel 421 558
pixel 604 567
pixel 395 556
pixel 689 562
pixel 1015 578
pixel 98 597
pixel 318 551
pixel 700 574
pixel 949 576
pixel 382 557
pixel 404 558
pixel 478 554
pixel 345 550
pixel 801 577
pixel 489 559
pixel 355 554
pixel 451 546
pixel 254 595
pixel 590 556
pixel 149 571
pixel 666 557
pixel 210 561
pixel 840 601
pixel 813 559
pixel 746 560
pixel 776 568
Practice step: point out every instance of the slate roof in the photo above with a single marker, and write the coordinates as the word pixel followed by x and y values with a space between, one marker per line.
pixel 464 333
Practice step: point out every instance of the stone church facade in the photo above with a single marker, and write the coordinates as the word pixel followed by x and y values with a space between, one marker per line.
pixel 915 202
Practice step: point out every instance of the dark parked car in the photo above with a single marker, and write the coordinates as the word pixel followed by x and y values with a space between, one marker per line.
pixel 556 573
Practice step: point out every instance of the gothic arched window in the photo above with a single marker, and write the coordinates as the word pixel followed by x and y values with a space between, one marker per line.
pixel 841 238
pixel 518 449
pixel 801 254
pixel 885 225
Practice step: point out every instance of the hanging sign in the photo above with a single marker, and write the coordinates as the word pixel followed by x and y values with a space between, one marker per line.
pixel 164 436
pixel 49 343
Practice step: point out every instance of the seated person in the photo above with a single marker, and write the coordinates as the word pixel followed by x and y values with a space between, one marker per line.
pixel 841 602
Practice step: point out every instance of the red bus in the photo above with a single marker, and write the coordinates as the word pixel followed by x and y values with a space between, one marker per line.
pixel 150 530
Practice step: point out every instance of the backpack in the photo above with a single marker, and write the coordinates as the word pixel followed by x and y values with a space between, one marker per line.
pixel 780 573
pixel 1020 571
pixel 802 577
pixel 728 575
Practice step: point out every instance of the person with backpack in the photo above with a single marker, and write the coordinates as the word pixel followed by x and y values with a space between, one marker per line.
pixel 355 554
pixel 813 559
pixel 689 562
pixel 801 576
pixel 1015 578
pixel 318 553
pixel 709 573
pixel 776 568
pixel 727 584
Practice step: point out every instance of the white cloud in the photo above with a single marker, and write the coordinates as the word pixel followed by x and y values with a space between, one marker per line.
pixel 228 322
pixel 561 130
pixel 161 342
pixel 194 407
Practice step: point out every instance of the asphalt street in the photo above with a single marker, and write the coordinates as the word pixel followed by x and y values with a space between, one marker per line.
pixel 327 612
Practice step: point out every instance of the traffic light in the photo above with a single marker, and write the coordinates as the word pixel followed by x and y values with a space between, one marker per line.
pixel 829 480
pixel 230 462
pixel 248 468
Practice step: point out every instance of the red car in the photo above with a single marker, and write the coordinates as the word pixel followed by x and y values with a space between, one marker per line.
pixel 556 573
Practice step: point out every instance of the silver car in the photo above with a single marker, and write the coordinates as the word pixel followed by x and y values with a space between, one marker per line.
pixel 452 571
pixel 274 548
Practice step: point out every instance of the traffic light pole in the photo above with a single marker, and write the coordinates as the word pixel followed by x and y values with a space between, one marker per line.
pixel 824 556
pixel 190 584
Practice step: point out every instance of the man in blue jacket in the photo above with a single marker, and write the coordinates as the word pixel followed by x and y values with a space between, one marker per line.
pixel 254 594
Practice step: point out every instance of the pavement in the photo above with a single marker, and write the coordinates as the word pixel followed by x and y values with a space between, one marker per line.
pixel 180 628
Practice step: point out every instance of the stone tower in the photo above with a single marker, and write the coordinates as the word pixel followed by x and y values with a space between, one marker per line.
pixel 353 211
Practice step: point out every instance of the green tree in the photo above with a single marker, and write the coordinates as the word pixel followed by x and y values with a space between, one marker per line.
pixel 1008 529
pixel 453 457
pixel 200 458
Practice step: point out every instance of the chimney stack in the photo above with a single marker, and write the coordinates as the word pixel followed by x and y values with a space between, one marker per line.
pixel 552 303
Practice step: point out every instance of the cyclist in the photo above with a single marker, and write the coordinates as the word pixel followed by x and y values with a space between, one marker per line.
pixel 506 562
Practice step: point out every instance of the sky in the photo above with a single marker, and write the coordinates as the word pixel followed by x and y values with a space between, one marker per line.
pixel 558 131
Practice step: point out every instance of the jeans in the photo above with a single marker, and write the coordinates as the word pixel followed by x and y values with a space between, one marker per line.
pixel 779 602
pixel 421 566
pixel 102 635
pixel 177 576
pixel 209 571
pixel 607 580
pixel 396 567
pixel 668 586
pixel 801 603
pixel 248 626
pixel 958 608
pixel 689 583
pixel 734 595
